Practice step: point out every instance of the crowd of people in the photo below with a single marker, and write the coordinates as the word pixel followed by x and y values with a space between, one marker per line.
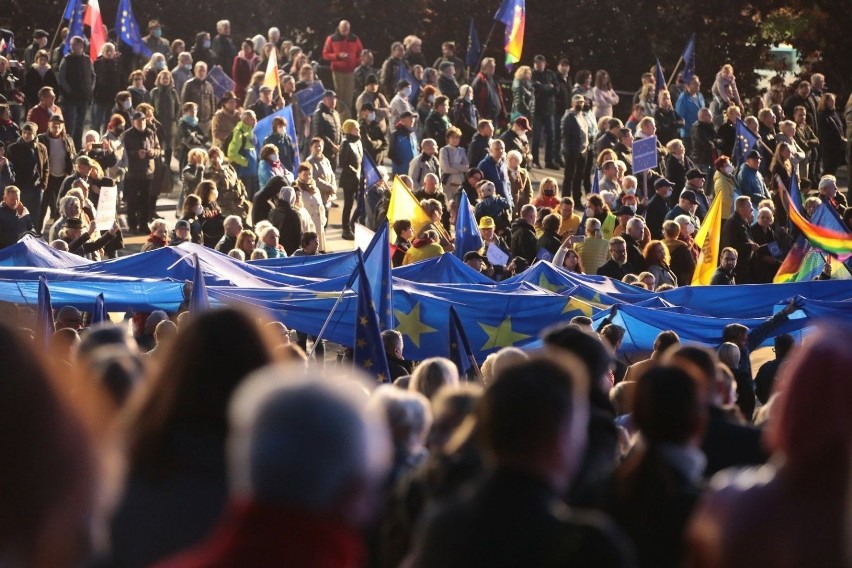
pixel 207 439
pixel 444 129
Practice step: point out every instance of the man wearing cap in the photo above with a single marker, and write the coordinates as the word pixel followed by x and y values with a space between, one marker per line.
pixel 515 138
pixel 447 80
pixel 60 156
pixel 658 207
pixel 15 220
pixel 264 106
pixel 79 178
pixel 695 180
pixel 155 40
pixel 400 103
pixel 341 50
pixel 225 119
pixel 141 148
pixel 40 38
pixel 544 120
pixel 687 204
pixel 575 145
pixel 325 124
pixel 749 181
pixel 181 233
pixel 77 81
pixel 389 75
pixel 403 143
pixel 29 162
pixel 828 193
pixel 736 234
pixel 198 90
pixel 371 95
pixel 45 109
pixel 490 238
pixel 372 138
pixel 362 73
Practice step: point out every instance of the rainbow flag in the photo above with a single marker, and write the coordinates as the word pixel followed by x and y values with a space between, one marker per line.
pixel 512 14
pixel 828 240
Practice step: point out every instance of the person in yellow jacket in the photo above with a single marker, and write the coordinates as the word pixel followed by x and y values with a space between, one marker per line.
pixel 724 184
pixel 242 152
pixel 423 247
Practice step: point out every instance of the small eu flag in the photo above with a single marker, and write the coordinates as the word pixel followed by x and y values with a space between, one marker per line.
pixel 369 351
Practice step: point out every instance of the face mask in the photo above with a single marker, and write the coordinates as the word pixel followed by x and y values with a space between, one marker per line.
pixel 469 96
pixel 161 65
pixel 157 33
pixel 273 158
pixel 126 105
pixel 431 98
pixel 188 67
pixel 630 191
pixel 690 229
pixel 729 169
pixel 406 92
pixel 549 192
pixel 199 209
pixel 371 117
pixel 191 120
pixel 668 193
pixel 206 44
pixel 632 208
pixel 590 212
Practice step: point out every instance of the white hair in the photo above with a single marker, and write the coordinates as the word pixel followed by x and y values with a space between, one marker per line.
pixel 94 134
pixel 593 227
pixel 221 24
pixel 498 361
pixel 157 223
pixel 514 154
pixel 408 413
pixel 237 254
pixel 683 220
pixel 232 220
pixel 625 179
pixel 432 374
pixel 428 141
pixel 633 221
pixel 303 441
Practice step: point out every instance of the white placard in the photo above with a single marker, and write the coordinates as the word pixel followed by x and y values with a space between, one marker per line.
pixel 495 255
pixel 106 208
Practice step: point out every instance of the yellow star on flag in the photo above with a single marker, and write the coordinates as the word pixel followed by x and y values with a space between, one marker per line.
pixel 502 335
pixel 368 364
pixel 543 282
pixel 362 320
pixel 410 324
pixel 380 377
pixel 577 305
pixel 361 343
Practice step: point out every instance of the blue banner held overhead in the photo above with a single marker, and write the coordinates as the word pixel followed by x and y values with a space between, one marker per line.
pixel 309 98
pixel 263 129
pixel 645 154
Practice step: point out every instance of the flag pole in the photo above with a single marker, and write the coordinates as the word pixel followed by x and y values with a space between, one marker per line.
pixel 58 28
pixel 485 45
pixel 333 309
pixel 674 72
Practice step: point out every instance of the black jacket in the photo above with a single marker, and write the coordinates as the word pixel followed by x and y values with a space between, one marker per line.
pixel 546 89
pixel 325 124
pixel 511 519
pixel 721 277
pixel 634 254
pixel 12 227
pixel 289 226
pixel 729 444
pixel 108 80
pixel 703 143
pixel 655 215
pixel 613 270
pixel 736 234
pixel 478 149
pixel 524 242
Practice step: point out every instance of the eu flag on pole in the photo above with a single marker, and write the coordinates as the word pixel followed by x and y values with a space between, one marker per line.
pixel 689 60
pixel 44 313
pixel 74 12
pixel 198 300
pixel 99 313
pixel 513 14
pixel 128 30
pixel 467 230
pixel 474 48
pixel 404 73
pixel 460 352
pixel 660 79
pixel 377 263
pixel 369 172
pixel 369 351
pixel 745 141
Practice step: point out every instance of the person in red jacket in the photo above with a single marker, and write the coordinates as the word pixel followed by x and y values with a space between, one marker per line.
pixel 342 50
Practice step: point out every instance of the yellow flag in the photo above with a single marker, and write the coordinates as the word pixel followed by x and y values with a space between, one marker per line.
pixel 708 239
pixel 403 205
pixel 271 78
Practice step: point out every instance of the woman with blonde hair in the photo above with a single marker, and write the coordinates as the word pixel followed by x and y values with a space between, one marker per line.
pixel 432 374
pixel 523 94
pixel 547 190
